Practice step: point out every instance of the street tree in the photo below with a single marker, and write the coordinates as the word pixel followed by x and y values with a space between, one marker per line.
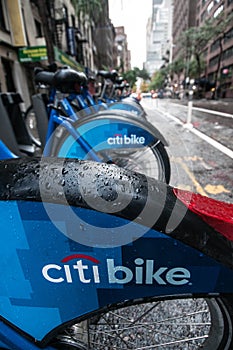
pixel 132 75
pixel 143 73
pixel 159 79
pixel 195 40
pixel 176 68
pixel 220 30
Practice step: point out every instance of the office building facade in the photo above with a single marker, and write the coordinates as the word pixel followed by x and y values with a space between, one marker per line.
pixel 159 34
pixel 218 54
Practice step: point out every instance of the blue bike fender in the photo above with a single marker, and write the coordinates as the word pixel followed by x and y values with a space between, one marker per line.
pixel 127 116
pixel 69 259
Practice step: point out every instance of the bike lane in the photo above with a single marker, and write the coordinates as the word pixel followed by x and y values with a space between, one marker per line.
pixel 196 164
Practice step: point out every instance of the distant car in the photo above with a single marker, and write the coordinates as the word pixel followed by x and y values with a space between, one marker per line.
pixel 160 94
pixel 146 94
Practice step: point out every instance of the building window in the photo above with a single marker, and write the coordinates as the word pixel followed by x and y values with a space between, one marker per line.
pixel 7 68
pixel 228 36
pixel 65 14
pixel 203 16
pixel 215 45
pixel 73 21
pixel 210 6
pixel 228 53
pixel 218 11
pixel 3 17
pixel 38 26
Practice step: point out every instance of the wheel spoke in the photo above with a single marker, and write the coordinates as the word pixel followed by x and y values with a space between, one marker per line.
pixel 187 340
pixel 128 327
pixel 146 160
pixel 171 324
pixel 182 316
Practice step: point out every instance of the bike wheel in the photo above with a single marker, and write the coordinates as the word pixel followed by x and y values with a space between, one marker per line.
pixel 31 125
pixel 151 159
pixel 171 324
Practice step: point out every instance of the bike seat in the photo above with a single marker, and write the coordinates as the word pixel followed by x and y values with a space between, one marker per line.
pixel 66 80
pixel 217 214
pixel 112 75
pixel 44 77
pixel 119 87
pixel 69 80
pixel 120 80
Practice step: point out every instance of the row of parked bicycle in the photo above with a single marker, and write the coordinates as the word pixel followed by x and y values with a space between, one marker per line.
pixel 66 120
pixel 95 256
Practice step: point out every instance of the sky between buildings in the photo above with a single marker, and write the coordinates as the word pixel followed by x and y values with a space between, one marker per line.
pixel 133 15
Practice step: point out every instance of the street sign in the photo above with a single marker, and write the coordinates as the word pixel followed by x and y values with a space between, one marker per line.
pixel 39 53
pixel 33 54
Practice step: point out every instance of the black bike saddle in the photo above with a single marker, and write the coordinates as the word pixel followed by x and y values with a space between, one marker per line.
pixel 112 75
pixel 68 80
pixel 43 77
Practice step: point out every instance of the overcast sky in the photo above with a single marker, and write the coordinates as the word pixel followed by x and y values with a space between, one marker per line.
pixel 133 15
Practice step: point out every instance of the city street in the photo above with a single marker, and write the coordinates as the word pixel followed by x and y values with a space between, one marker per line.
pixel 198 162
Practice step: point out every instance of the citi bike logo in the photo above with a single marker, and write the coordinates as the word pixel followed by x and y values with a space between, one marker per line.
pixel 119 139
pixel 87 269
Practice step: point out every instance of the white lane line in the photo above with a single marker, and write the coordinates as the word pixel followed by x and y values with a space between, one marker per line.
pixel 227 151
pixel 211 141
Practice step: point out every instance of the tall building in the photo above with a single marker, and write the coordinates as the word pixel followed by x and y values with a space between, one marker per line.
pixel 159 34
pixel 218 54
pixel 122 57
pixel 104 36
pixel 184 17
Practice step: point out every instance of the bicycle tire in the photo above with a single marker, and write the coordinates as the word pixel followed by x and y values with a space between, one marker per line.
pixel 172 324
pixel 143 161
pixel 151 160
pixel 31 125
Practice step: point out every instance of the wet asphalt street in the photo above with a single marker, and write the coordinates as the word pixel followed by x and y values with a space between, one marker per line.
pixel 196 164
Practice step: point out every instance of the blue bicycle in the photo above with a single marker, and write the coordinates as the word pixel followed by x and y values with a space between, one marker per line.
pixel 72 125
pixel 108 98
pixel 37 115
pixel 97 257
